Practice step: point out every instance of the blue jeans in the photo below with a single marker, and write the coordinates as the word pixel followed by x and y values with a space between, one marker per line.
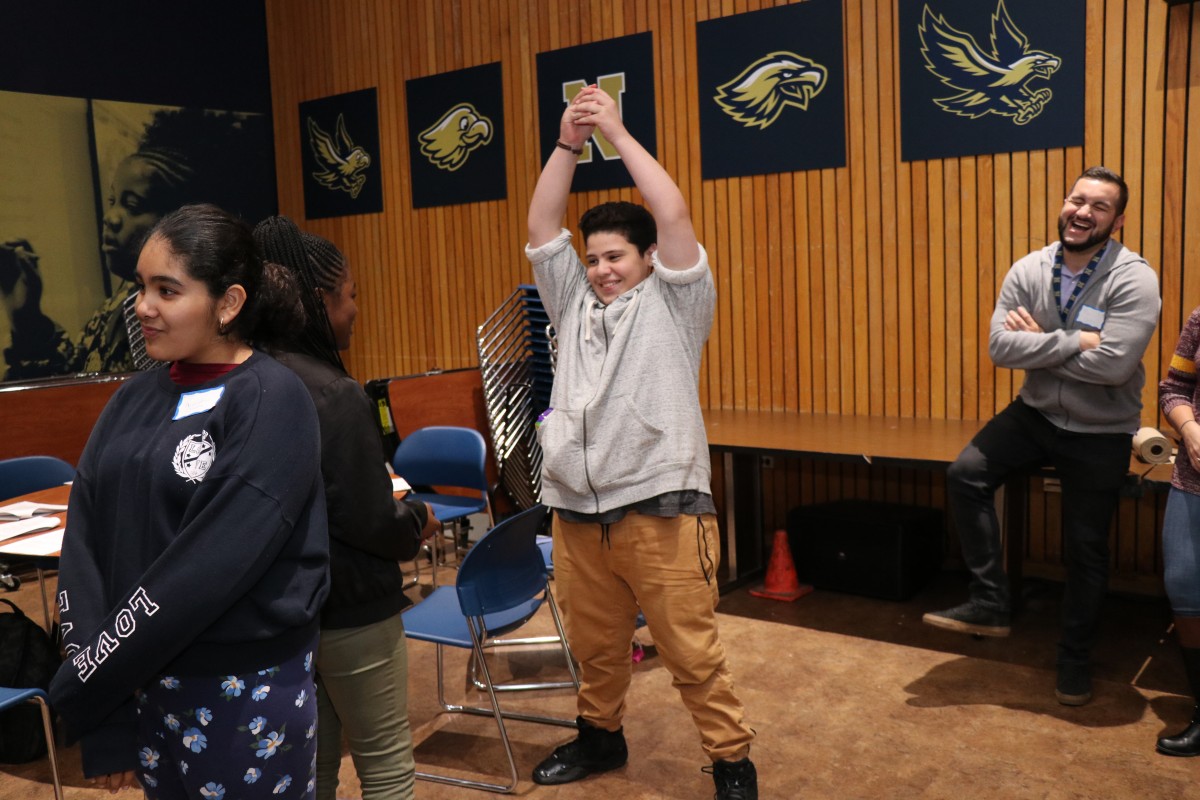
pixel 1091 467
pixel 1181 551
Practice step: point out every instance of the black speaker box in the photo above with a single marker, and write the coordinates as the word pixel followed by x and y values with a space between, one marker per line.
pixel 864 547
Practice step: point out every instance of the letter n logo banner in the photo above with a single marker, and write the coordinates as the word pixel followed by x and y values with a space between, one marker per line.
pixel 622 67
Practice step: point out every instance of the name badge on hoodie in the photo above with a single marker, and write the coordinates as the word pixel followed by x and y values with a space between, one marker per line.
pixel 197 402
pixel 1090 317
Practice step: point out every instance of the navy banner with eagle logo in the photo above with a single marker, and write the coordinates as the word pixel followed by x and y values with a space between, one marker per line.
pixel 990 76
pixel 622 67
pixel 456 137
pixel 772 95
pixel 339 153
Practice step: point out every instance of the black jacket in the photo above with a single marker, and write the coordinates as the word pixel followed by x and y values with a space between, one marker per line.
pixel 369 530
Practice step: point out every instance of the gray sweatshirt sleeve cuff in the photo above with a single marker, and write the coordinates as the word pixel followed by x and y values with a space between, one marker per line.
pixel 680 277
pixel 539 254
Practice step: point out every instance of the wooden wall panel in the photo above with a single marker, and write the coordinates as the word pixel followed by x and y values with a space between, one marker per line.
pixel 866 289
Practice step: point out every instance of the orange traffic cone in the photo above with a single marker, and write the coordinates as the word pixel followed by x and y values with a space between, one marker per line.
pixel 782 583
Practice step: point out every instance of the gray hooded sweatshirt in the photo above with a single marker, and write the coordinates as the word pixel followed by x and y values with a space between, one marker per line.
pixel 1098 391
pixel 625 422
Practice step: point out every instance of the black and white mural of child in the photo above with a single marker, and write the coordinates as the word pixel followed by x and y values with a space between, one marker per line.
pixel 146 161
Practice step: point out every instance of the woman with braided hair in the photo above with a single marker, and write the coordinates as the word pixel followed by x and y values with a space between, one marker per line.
pixel 184 156
pixel 362 661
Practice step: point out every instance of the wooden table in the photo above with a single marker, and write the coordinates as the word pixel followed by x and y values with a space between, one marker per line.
pixel 743 437
pixel 55 496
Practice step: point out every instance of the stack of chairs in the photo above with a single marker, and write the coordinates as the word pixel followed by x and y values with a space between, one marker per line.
pixel 515 362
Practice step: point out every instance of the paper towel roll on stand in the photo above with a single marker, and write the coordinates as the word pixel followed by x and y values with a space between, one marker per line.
pixel 1150 446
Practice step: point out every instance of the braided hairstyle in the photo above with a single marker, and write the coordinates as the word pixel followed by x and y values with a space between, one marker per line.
pixel 318 266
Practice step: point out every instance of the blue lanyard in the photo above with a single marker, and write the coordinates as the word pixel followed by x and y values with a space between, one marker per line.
pixel 1064 309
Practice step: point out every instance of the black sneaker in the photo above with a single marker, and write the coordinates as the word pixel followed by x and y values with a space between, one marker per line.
pixel 594 750
pixel 970 618
pixel 735 780
pixel 1074 684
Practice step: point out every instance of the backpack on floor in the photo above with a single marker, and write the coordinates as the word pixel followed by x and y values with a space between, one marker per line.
pixel 28 658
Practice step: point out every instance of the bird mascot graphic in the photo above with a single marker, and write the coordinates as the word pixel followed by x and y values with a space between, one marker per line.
pixel 758 96
pixel 342 162
pixel 450 140
pixel 992 81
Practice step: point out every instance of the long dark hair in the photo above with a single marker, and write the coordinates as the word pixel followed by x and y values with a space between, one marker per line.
pixel 318 267
pixel 218 249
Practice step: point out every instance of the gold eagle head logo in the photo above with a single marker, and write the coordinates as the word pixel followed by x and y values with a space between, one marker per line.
pixel 450 140
pixel 758 96
pixel 988 81
pixel 341 161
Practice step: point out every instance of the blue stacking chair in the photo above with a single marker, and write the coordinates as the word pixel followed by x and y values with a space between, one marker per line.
pixel 447 457
pixel 27 474
pixel 502 582
pixel 10 698
pixel 545 547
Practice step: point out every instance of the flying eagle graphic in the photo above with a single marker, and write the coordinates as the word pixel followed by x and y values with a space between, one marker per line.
pixel 758 96
pixel 343 162
pixel 989 82
pixel 450 140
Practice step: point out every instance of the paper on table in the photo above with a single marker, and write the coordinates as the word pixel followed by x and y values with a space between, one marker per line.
pixel 10 529
pixel 400 485
pixel 26 509
pixel 41 545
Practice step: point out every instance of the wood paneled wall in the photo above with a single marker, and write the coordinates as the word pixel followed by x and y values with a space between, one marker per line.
pixel 865 289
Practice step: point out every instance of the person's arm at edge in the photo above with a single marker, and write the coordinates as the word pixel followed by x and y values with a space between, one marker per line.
pixel 1177 390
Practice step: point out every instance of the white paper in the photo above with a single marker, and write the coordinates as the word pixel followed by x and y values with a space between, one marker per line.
pixel 42 545
pixel 10 529
pixel 26 509
pixel 400 485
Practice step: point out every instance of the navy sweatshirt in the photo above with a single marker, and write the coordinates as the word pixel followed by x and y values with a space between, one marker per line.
pixel 197 544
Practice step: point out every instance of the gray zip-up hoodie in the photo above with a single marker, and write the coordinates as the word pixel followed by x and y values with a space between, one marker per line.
pixel 1098 391
pixel 625 422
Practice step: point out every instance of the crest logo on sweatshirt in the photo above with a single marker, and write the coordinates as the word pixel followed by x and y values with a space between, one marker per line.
pixel 194 456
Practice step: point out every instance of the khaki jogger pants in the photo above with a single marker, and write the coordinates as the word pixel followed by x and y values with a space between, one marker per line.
pixel 667 567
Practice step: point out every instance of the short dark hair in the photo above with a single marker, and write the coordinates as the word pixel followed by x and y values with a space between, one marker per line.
pixel 1099 173
pixel 218 249
pixel 630 220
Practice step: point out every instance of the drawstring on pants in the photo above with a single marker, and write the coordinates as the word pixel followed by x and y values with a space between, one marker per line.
pixel 604 535
pixel 703 553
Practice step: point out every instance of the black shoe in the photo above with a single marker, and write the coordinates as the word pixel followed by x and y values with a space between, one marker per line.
pixel 1186 743
pixel 1074 684
pixel 970 618
pixel 594 750
pixel 735 780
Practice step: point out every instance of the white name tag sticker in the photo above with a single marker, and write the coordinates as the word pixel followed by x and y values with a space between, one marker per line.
pixel 1091 317
pixel 197 402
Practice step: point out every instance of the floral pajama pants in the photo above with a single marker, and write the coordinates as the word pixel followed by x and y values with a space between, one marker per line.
pixel 230 736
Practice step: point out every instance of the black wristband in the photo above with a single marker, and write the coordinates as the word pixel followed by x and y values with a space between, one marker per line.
pixel 561 144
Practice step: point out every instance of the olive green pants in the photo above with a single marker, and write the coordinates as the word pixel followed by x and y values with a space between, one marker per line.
pixel 362 691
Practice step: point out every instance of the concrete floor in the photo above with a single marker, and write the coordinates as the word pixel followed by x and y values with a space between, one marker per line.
pixel 851 698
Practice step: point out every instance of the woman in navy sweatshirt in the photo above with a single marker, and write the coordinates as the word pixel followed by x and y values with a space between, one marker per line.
pixel 362 662
pixel 196 557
